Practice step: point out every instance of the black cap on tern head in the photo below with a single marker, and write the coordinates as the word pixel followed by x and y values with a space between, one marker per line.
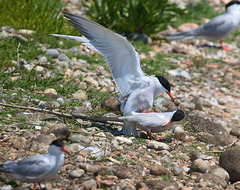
pixel 164 82
pixel 178 116
pixel 58 143
pixel 232 3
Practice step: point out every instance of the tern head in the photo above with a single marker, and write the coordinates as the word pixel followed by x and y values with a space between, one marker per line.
pixel 166 85
pixel 57 147
pixel 177 116
pixel 233 5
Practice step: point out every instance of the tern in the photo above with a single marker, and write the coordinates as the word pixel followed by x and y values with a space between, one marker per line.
pixel 154 122
pixel 37 168
pixel 217 28
pixel 137 89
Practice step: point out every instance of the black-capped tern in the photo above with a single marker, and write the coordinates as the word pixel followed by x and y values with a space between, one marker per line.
pixel 37 168
pixel 154 122
pixel 217 28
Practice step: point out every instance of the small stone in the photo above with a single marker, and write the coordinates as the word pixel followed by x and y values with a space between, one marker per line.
pixel 90 168
pixel 91 81
pixel 235 131
pixel 89 184
pixel 60 130
pixel 124 140
pixel 158 170
pixel 199 165
pixel 123 172
pixel 218 171
pixel 39 68
pixel 50 91
pixel 157 145
pixel 25 31
pixel 206 104
pixel 111 103
pixel 52 104
pixel 76 173
pixel 186 27
pixel 52 53
pixel 81 139
pixel 80 95
pixel 62 57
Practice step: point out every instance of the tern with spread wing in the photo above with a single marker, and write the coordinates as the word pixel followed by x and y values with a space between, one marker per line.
pixel 154 122
pixel 217 28
pixel 37 168
pixel 137 89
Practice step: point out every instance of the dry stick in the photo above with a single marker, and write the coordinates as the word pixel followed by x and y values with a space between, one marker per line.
pixel 108 120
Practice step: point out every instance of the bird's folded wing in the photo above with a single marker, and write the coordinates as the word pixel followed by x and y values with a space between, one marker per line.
pixel 121 56
pixel 218 25
pixel 34 166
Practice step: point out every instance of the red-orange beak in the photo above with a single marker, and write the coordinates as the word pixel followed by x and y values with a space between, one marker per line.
pixel 64 150
pixel 170 95
pixel 168 122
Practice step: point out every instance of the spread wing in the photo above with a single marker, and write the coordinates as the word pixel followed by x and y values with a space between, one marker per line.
pixel 121 56
pixel 32 167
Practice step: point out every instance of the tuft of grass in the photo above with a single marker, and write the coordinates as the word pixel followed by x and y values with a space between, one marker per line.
pixel 40 15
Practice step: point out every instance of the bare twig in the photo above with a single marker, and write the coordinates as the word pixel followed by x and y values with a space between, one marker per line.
pixel 18 58
pixel 108 120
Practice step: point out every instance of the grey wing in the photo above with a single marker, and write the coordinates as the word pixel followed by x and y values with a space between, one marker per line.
pixel 32 167
pixel 121 56
pixel 218 26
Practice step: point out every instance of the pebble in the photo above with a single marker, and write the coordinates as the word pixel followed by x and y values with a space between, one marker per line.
pixel 124 140
pixel 158 170
pixel 50 91
pixel 80 95
pixel 157 145
pixel 76 173
pixel 89 184
pixel 218 171
pixel 52 53
pixel 199 165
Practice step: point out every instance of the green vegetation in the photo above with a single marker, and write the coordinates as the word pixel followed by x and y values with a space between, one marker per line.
pixel 40 15
pixel 140 16
pixel 195 12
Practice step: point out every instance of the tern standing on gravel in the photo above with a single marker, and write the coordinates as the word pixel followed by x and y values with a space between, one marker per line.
pixel 37 168
pixel 217 28
pixel 137 89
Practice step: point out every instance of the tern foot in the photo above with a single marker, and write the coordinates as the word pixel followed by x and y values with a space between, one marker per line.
pixel 150 136
pixel 145 111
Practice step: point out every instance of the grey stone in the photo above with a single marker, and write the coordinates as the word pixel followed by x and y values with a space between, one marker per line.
pixel 111 103
pixel 206 104
pixel 230 161
pixel 89 184
pixel 52 104
pixel 123 172
pixel 60 130
pixel 52 53
pixel 235 131
pixel 197 102
pixel 220 172
pixel 199 165
pixel 207 131
pixel 90 168
pixel 212 180
pixel 160 184
pixel 175 169
pixel 157 145
pixel 81 139
pixel 76 173
pixel 158 170
pixel 62 57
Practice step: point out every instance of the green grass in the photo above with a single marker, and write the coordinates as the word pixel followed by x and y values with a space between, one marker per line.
pixel 195 12
pixel 43 16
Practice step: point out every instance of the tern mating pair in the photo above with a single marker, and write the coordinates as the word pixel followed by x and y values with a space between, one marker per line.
pixel 137 89
pixel 37 168
pixel 217 28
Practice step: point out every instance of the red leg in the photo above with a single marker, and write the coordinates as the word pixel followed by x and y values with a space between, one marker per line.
pixel 223 47
pixel 34 185
pixel 150 135
pixel 40 186
pixel 145 111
